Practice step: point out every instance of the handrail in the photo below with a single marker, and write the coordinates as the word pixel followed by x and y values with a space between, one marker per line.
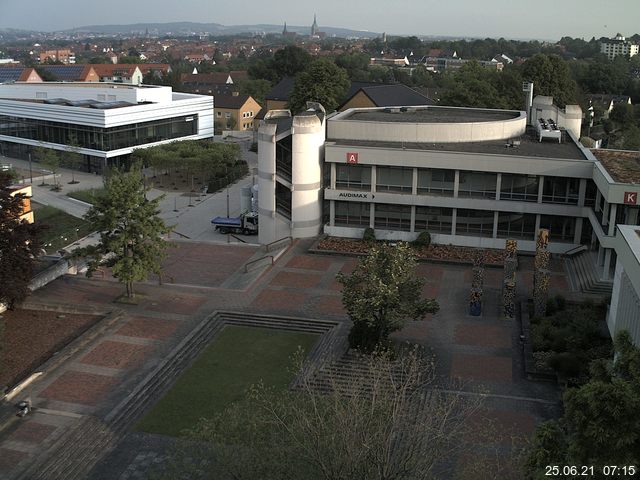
pixel 268 246
pixel 574 250
pixel 246 265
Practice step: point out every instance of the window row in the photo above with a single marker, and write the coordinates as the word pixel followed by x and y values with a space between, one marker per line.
pixel 477 223
pixel 431 181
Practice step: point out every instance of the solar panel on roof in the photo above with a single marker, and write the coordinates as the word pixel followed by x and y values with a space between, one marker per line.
pixel 64 72
pixel 10 74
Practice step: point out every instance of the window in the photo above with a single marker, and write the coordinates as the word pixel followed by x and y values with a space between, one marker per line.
pixel 590 194
pixel 522 188
pixel 352 214
pixel 219 114
pixel 561 229
pixel 516 225
pixel 477 184
pixel 227 115
pixel 393 217
pixel 478 223
pixel 353 177
pixel 394 179
pixel 436 181
pixel 434 219
pixel 560 190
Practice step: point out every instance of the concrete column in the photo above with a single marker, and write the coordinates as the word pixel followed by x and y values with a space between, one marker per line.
pixel 498 185
pixel 605 214
pixel 333 178
pixel 373 178
pixel 454 219
pixel 607 264
pixel 535 234
pixel 413 218
pixel 495 225
pixel 582 192
pixel 600 255
pixel 372 215
pixel 456 184
pixel 332 213
pixel 598 198
pixel 267 183
pixel 612 219
pixel 632 216
pixel 578 233
pixel 540 187
pixel 414 182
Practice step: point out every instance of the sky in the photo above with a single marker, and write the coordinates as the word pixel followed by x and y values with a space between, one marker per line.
pixel 517 19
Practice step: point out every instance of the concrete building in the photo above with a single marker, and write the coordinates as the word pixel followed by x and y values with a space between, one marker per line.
pixel 27 191
pixel 618 46
pixel 108 121
pixel 236 112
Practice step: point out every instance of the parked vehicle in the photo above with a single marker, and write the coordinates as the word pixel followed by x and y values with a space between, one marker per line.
pixel 247 223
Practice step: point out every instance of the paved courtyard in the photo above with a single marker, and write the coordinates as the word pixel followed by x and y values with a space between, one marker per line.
pixel 103 366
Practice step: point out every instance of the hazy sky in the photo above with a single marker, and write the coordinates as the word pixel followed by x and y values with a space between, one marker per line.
pixel 544 19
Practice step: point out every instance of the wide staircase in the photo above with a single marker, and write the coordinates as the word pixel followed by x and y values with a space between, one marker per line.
pixel 584 275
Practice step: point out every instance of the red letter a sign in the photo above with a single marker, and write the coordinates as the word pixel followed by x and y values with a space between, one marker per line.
pixel 352 157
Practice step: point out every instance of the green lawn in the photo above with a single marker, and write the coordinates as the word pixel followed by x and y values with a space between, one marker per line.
pixel 86 196
pixel 238 358
pixel 62 228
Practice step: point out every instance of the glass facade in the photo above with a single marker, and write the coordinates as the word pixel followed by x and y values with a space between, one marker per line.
pixel 523 188
pixel 393 217
pixel 283 200
pixel 560 190
pixel 478 223
pixel 353 177
pixel 96 138
pixel 590 194
pixel 352 214
pixel 477 184
pixel 284 157
pixel 434 181
pixel 434 219
pixel 561 229
pixel 394 179
pixel 516 225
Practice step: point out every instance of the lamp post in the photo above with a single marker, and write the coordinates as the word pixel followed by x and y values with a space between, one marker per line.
pixel 30 169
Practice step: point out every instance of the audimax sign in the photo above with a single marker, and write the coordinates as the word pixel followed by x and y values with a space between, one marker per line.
pixel 364 196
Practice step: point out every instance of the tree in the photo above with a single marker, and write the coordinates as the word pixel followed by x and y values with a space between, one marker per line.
pixel 375 425
pixel 601 425
pixel 381 294
pixel 73 157
pixel 50 160
pixel 290 60
pixel 324 82
pixel 550 76
pixel 130 229
pixel 258 89
pixel 19 246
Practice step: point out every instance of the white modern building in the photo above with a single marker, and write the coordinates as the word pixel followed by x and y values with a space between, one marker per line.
pixel 107 121
pixel 618 45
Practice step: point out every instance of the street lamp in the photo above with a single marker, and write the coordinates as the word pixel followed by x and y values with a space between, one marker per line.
pixel 30 169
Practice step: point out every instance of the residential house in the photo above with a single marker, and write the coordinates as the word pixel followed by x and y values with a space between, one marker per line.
pixel 380 95
pixel 608 101
pixel 119 73
pixel 71 73
pixel 18 74
pixel 65 56
pixel 236 112
pixel 618 46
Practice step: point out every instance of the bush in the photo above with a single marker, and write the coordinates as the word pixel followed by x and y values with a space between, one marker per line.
pixel 369 235
pixel 423 240
pixel 366 338
pixel 566 364
pixel 254 147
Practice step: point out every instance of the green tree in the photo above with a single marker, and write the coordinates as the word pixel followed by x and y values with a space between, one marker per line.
pixel 19 246
pixel 381 294
pixel 131 232
pixel 324 82
pixel 290 60
pixel 258 89
pixel 550 76
pixel 601 424
pixel 72 157
pixel 50 159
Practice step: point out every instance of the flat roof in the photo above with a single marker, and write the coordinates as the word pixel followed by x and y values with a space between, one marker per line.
pixel 529 147
pixel 87 103
pixel 622 165
pixel 45 85
pixel 430 114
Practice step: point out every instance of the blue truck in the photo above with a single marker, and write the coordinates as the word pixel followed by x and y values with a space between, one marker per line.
pixel 247 223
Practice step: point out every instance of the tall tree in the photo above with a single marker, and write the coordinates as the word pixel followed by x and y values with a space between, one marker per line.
pixel 131 232
pixel 550 76
pixel 323 81
pixel 19 246
pixel 381 294
pixel 290 60
pixel 72 157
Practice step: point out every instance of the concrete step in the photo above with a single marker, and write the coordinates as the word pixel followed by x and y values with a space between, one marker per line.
pixel 588 278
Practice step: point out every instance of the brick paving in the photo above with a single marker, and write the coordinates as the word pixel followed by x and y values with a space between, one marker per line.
pixel 495 336
pixel 296 280
pixel 33 432
pixel 178 304
pixel 9 458
pixel 481 368
pixel 278 300
pixel 308 262
pixel 79 387
pixel 117 355
pixel 152 328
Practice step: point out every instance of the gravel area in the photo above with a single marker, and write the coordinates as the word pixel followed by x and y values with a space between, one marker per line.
pixel 30 337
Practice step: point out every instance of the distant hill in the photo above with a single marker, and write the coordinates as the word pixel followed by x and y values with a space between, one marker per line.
pixel 188 28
